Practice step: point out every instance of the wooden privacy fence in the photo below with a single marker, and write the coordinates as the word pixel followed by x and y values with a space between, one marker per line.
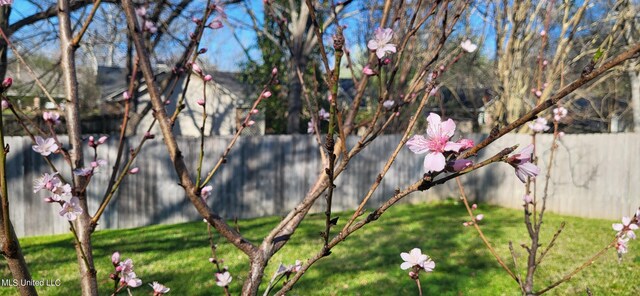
pixel 594 175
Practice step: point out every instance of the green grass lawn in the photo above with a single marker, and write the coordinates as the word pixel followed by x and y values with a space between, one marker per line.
pixel 365 264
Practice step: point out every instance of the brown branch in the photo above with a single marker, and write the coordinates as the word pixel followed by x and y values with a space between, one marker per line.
pixel 170 141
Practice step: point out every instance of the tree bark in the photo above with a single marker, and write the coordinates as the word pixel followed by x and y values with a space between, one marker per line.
pixel 88 282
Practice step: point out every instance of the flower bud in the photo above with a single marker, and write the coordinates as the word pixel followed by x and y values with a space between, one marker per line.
pixel 479 217
pixel 7 82
pixel 134 171
pixel 251 122
pixel 254 111
pixel 266 94
pixel 5 104
pixel 126 95
pixel 102 139
pixel 200 102
pixel 195 20
pixel 274 71
pixel 386 61
pixel 208 77
pixel 115 258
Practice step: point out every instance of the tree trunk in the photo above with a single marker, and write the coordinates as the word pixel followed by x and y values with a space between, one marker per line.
pixel 84 252
pixel 256 273
pixel 294 96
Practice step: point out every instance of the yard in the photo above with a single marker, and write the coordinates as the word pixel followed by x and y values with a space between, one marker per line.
pixel 365 264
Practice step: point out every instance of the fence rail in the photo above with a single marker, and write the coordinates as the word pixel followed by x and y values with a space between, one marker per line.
pixel 594 175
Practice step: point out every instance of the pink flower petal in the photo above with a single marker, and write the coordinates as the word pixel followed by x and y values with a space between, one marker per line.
pixel 418 144
pixel 434 162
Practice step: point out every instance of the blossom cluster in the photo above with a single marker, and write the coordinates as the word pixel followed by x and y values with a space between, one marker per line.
pixel 60 193
pixel 625 232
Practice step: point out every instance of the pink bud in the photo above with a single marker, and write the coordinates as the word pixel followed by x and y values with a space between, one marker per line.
pixel 195 20
pixel 215 24
pixel 5 104
pixel 386 61
pixel 266 94
pixel 115 258
pixel 94 164
pixel 49 200
pixel 196 68
pixel 134 171
pixel 474 206
pixel 208 77
pixel 442 68
pixel 102 139
pixel 7 82
pixel 330 98
pixel 479 217
pixel 368 71
pixel 545 62
pixel 251 122
pixel 527 199
pixel 560 134
pixel 254 111
pixel 211 260
pixel 274 71
pixel 141 11
pixel 200 102
pixel 167 102
pixel 538 93
pixel 465 224
pixel 543 32
pixel 126 95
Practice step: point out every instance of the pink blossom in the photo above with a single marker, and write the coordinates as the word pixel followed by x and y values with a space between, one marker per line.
pixel 626 228
pixel 474 206
pixel 51 117
pixel 527 199
pixel 159 289
pixel 126 95
pixel 468 46
pixel 416 258
pixel 61 192
pixel 150 26
pixel 134 171
pixel 559 113
pixel 368 71
pixel 45 147
pixel 71 209
pixel 323 114
pixel 522 163
pixel 141 11
pixel 466 144
pixel 5 104
pixel 435 144
pixel 223 279
pixel 388 104
pixel 380 44
pixel 539 125
pixel 311 126
pixel 621 245
pixel 266 94
pixel 102 139
pixel 297 266
pixel 126 273
pixel 205 192
pixel 47 181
